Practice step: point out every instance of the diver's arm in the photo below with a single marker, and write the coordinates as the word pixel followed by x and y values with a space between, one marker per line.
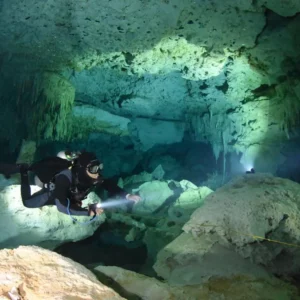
pixel 60 197
pixel 113 188
pixel 74 210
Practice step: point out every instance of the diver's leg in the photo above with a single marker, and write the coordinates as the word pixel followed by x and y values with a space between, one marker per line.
pixel 25 185
pixel 9 169
pixel 38 182
pixel 37 199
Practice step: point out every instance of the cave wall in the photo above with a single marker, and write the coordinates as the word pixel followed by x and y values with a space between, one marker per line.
pixel 222 73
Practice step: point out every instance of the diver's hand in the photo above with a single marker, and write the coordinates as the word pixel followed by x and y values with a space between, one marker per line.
pixel 97 211
pixel 134 198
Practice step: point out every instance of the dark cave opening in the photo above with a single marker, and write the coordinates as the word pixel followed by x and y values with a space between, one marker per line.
pixel 108 247
pixel 289 168
pixel 190 160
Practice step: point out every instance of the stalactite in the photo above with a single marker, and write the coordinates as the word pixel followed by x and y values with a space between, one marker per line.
pixel 224 157
pixel 45 102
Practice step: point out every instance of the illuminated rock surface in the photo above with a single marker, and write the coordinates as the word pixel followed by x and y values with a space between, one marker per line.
pixel 34 273
pixel 45 227
pixel 223 73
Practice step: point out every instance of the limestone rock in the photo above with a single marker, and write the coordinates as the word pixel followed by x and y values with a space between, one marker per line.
pixel 88 119
pixel 156 239
pixel 161 229
pixel 277 48
pixel 45 226
pixel 195 48
pixel 126 23
pixel 188 201
pixel 235 288
pixel 215 180
pixel 186 185
pixel 148 133
pixel 190 260
pixel 51 119
pixel 133 95
pixel 138 179
pixel 246 88
pixel 34 273
pixel 153 195
pixel 283 8
pixel 248 209
pixel 120 217
pixel 158 173
pixel 174 54
pixel 184 59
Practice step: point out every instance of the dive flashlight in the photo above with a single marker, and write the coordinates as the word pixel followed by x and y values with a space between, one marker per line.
pixel 107 204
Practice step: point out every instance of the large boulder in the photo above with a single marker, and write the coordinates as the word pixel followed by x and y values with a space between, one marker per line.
pixel 181 196
pixel 45 227
pixel 249 227
pixel 233 288
pixel 36 273
pixel 250 211
pixel 164 208
pixel 189 260
pixel 153 194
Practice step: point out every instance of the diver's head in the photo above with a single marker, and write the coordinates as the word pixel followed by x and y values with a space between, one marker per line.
pixel 90 163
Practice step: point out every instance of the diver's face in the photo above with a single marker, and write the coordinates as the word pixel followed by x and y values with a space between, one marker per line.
pixel 94 176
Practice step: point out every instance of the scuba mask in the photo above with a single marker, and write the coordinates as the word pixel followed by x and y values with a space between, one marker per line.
pixel 94 167
pixel 86 163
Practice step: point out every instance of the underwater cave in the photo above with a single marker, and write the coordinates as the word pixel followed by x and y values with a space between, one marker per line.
pixel 150 149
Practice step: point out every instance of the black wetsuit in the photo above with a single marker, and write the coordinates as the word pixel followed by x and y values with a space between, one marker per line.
pixel 62 192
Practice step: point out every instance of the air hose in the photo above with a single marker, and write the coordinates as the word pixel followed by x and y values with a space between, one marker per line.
pixel 76 221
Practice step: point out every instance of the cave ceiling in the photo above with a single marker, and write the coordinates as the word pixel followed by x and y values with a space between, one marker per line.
pixel 227 71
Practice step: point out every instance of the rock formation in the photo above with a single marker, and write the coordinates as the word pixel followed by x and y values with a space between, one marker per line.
pixel 185 95
pixel 45 227
pixel 249 227
pixel 33 273
pixel 228 71
pixel 240 287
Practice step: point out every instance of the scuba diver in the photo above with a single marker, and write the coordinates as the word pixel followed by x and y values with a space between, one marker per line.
pixel 74 177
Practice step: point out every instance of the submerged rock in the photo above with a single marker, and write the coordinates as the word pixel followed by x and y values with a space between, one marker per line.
pixel 35 273
pixel 240 287
pixel 189 260
pixel 153 194
pixel 191 199
pixel 249 209
pixel 45 226
pixel 225 237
